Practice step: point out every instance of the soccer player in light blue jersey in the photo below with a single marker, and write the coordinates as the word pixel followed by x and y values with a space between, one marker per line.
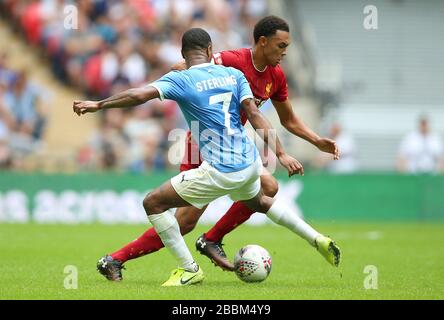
pixel 210 98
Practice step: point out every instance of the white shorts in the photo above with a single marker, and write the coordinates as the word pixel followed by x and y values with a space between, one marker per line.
pixel 205 184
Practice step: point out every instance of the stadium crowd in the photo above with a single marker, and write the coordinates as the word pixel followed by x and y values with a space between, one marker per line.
pixel 111 46
pixel 22 115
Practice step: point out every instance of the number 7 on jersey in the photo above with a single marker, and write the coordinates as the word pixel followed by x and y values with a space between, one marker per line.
pixel 226 99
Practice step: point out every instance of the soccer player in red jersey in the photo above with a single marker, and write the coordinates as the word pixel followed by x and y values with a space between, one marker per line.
pixel 261 66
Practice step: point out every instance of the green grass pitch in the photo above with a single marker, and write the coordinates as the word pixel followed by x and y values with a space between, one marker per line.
pixel 409 259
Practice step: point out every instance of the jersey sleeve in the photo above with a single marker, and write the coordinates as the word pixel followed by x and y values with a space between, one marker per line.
pixel 281 93
pixel 229 58
pixel 243 87
pixel 170 86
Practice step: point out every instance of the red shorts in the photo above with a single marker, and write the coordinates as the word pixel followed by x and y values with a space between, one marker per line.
pixel 192 158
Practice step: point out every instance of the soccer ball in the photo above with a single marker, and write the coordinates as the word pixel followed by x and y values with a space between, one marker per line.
pixel 252 263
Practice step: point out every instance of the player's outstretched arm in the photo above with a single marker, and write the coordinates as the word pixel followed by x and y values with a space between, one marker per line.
pixel 259 122
pixel 295 125
pixel 125 99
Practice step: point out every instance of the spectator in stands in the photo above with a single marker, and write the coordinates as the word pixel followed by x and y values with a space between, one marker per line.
pixel 126 62
pixel 27 119
pixel 347 162
pixel 109 145
pixel 421 151
pixel 79 46
pixel 7 76
pixel 145 134
pixel 23 103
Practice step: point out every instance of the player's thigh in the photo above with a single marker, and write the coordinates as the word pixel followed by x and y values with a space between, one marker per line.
pixel 269 183
pixel 162 199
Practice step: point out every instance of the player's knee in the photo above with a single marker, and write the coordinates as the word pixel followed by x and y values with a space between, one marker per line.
pixel 147 204
pixel 265 204
pixel 152 205
pixel 261 203
pixel 270 187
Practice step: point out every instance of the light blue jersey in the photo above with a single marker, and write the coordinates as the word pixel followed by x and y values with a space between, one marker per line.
pixel 210 98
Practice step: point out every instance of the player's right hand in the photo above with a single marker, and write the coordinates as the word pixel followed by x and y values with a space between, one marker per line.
pixel 292 165
pixel 82 107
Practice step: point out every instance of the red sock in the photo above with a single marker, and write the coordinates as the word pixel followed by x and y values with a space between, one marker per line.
pixel 147 243
pixel 236 215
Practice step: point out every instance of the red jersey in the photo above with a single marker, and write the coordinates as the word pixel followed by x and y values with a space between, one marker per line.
pixel 270 83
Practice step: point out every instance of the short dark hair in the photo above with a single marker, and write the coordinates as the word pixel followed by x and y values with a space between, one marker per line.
pixel 268 26
pixel 195 39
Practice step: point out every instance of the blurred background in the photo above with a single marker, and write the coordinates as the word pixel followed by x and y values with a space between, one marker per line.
pixel 374 85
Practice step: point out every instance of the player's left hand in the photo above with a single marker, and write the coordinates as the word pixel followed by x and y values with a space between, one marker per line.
pixel 292 165
pixel 82 107
pixel 329 146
